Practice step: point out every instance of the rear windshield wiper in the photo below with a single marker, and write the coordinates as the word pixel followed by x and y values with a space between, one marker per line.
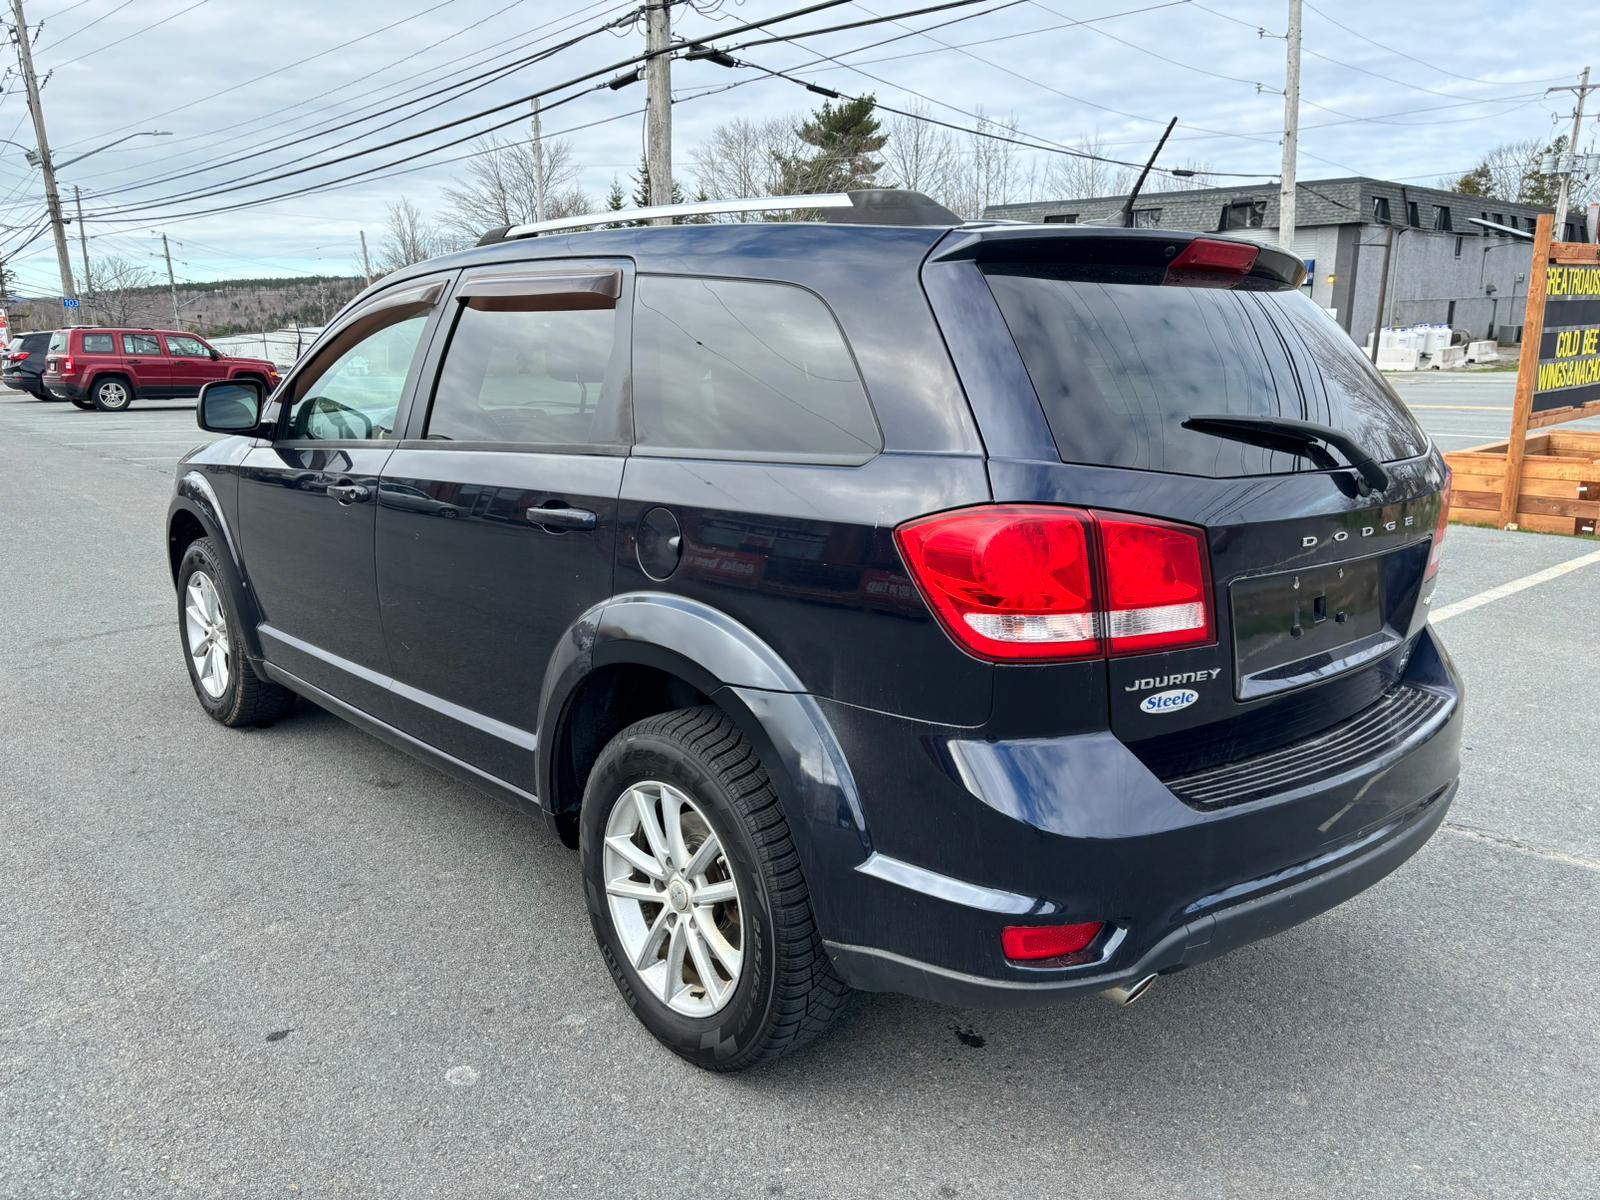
pixel 1306 437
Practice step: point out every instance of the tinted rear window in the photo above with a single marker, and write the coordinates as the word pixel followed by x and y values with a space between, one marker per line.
pixel 1120 366
pixel 745 369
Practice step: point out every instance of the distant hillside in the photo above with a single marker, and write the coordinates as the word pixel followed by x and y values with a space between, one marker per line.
pixel 223 307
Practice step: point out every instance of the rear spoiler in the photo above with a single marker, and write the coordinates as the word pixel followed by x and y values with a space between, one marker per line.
pixel 1104 254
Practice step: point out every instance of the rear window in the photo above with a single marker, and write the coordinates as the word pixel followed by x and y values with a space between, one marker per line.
pixel 1120 366
pixel 58 342
pixel 745 369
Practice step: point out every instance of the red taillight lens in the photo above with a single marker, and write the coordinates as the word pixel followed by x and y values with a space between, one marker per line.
pixel 1158 585
pixel 19 356
pixel 1206 262
pixel 1024 582
pixel 1010 581
pixel 1437 552
pixel 66 366
pixel 1030 943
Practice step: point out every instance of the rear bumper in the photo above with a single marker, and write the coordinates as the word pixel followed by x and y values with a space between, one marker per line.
pixel 64 389
pixel 1318 886
pixel 970 836
pixel 23 382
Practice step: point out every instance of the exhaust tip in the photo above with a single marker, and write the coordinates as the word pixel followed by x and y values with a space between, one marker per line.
pixel 1125 994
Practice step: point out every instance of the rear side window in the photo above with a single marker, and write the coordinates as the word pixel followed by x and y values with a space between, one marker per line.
pixel 1120 366
pixel 98 343
pixel 533 372
pixel 743 369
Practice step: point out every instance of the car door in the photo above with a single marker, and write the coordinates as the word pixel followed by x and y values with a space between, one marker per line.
pixel 496 517
pixel 147 363
pixel 190 364
pixel 307 496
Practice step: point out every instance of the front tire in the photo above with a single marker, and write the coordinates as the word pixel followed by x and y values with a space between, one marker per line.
pixel 224 681
pixel 112 394
pixel 694 889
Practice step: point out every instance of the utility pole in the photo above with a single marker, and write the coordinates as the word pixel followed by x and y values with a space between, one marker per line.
pixel 1565 195
pixel 83 242
pixel 658 116
pixel 172 282
pixel 1383 288
pixel 1291 131
pixel 52 198
pixel 538 165
pixel 366 263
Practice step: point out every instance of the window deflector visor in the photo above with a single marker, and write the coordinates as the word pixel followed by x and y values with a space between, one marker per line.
pixel 543 291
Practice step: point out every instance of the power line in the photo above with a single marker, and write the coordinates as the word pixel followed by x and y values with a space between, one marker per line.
pixel 128 37
pixel 93 23
pixel 462 87
pixel 633 61
pixel 440 71
pixel 275 71
pixel 1420 61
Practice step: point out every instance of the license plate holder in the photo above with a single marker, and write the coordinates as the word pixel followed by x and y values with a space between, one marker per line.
pixel 1295 627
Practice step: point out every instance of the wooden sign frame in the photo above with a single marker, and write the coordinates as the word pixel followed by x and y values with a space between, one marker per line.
pixel 1546 252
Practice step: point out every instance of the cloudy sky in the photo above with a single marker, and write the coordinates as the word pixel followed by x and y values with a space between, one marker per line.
pixel 1410 92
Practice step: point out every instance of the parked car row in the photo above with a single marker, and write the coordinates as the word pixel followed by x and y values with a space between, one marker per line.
pixel 109 369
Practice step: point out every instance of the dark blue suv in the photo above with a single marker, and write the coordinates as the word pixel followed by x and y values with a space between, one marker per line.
pixel 986 612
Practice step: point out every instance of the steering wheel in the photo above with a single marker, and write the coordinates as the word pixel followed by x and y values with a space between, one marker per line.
pixel 349 423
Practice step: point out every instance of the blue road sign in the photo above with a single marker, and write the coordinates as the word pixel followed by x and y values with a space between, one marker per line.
pixel 71 302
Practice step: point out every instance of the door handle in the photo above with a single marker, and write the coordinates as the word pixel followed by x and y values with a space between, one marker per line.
pixel 349 493
pixel 563 518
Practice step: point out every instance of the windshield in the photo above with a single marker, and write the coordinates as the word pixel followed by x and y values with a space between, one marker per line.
pixel 1120 366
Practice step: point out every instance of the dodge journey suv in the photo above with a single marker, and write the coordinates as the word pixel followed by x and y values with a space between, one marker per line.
pixel 986 612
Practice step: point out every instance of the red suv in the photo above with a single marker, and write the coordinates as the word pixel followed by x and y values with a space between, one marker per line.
pixel 108 368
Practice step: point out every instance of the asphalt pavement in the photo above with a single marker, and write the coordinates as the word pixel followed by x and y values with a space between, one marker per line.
pixel 294 962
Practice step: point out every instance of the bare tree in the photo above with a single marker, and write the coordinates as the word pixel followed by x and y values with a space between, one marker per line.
pixel 1074 177
pixel 410 237
pixel 501 187
pixel 744 157
pixel 114 287
pixel 986 170
pixel 919 156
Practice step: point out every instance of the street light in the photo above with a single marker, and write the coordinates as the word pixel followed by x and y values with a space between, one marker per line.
pixel 33 156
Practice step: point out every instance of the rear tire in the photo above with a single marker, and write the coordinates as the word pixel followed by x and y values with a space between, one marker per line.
pixel 225 683
pixel 111 393
pixel 784 991
pixel 84 404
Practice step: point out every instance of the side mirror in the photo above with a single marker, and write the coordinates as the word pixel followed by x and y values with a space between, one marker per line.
pixel 230 406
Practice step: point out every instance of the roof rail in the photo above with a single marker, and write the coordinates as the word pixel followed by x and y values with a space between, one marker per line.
pixel 697 209
pixel 867 206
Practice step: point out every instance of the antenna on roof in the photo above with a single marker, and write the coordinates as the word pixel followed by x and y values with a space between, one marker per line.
pixel 1138 185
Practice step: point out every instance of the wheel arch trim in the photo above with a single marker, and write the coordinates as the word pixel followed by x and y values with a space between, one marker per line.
pixel 196 497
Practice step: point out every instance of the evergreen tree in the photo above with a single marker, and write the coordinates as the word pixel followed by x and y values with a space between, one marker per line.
pixel 845 138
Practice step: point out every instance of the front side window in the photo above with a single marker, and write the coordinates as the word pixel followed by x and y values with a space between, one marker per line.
pixel 529 371
pixel 186 347
pixel 99 343
pixel 745 369
pixel 141 343
pixel 351 391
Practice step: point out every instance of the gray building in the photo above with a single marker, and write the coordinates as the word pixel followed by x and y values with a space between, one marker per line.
pixel 1442 269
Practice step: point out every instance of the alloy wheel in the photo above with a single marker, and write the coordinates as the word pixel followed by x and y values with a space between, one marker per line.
pixel 673 899
pixel 113 395
pixel 205 624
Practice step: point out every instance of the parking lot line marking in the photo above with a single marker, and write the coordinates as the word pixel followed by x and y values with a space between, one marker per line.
pixel 1464 407
pixel 1514 586
pixel 1506 842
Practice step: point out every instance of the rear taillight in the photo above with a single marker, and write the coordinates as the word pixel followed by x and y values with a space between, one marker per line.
pixel 1158 584
pixel 66 366
pixel 19 356
pixel 1034 582
pixel 1031 943
pixel 1437 551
